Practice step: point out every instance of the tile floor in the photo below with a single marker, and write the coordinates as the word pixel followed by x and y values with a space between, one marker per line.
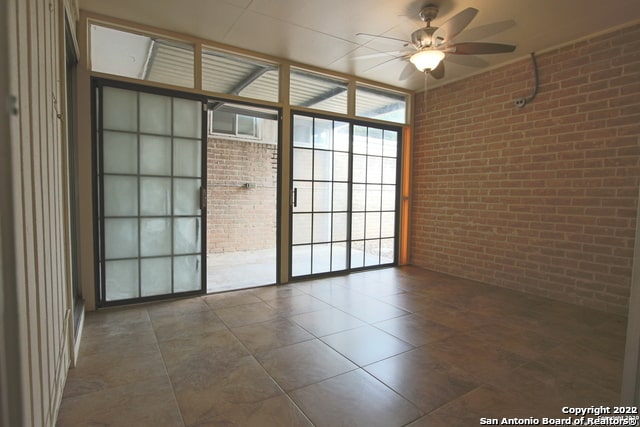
pixel 390 347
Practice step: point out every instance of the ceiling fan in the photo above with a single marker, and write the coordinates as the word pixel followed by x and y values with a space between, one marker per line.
pixel 432 44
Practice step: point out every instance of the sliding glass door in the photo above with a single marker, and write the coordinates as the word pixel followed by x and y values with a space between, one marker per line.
pixel 320 203
pixel 344 198
pixel 150 194
pixel 373 196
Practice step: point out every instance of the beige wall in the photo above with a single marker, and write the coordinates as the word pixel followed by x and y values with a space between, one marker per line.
pixel 34 224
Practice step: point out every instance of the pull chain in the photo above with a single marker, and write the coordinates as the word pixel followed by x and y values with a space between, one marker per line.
pixel 424 101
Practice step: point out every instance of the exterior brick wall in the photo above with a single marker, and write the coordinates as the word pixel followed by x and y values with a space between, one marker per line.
pixel 239 218
pixel 540 199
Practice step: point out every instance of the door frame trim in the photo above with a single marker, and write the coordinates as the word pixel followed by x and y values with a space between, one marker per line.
pixel 279 165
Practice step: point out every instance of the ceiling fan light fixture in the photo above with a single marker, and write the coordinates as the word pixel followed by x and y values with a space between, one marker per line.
pixel 427 59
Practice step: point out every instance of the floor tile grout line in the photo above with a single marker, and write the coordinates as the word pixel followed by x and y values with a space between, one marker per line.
pixel 284 392
pixel 523 360
pixel 166 371
pixel 356 365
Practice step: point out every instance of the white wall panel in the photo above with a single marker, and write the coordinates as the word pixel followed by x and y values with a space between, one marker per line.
pixel 36 337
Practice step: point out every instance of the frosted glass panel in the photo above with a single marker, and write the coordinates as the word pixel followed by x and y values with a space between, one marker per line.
pixel 390 147
pixel 322 227
pixel 357 226
pixel 301 260
pixel 120 196
pixel 388 224
pixel 120 152
pixel 302 165
pixel 322 258
pixel 187 273
pixel 155 275
pixel 373 197
pixel 358 197
pixel 150 174
pixel 155 114
pixel 389 171
pixel 155 196
pixel 323 134
pixel 187 118
pixel 120 109
pixel 120 238
pixel 374 142
pixel 359 168
pixel 339 226
pixel 187 235
pixel 371 252
pixel 374 170
pixel 121 279
pixel 322 196
pixel 155 236
pixel 340 166
pixel 341 136
pixel 303 195
pixel 302 131
pixel 357 254
pixel 186 157
pixel 338 256
pixel 340 197
pixel 373 225
pixel 387 251
pixel 155 155
pixel 388 197
pixel 301 229
pixel 360 140
pixel 322 165
pixel 186 196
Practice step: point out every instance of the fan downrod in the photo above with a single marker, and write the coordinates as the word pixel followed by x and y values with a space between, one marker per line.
pixel 429 12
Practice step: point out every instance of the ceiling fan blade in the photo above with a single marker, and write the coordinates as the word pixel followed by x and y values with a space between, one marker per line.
pixel 376 36
pixel 438 72
pixel 468 60
pixel 473 48
pixel 455 25
pixel 488 30
pixel 379 55
pixel 384 62
pixel 407 71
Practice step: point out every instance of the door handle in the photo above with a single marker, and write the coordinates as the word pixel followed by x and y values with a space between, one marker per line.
pixel 203 198
pixel 294 197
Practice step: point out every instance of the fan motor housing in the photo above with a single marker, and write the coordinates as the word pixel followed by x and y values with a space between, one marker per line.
pixel 423 37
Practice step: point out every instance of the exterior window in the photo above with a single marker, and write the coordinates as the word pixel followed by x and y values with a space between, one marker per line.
pixel 321 92
pixel 127 54
pixel 247 126
pixel 375 103
pixel 224 72
pixel 234 124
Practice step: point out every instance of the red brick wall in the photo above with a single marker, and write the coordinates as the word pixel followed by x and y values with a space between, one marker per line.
pixel 541 199
pixel 241 219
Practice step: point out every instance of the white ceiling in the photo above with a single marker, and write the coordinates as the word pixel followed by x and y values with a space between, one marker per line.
pixel 322 33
